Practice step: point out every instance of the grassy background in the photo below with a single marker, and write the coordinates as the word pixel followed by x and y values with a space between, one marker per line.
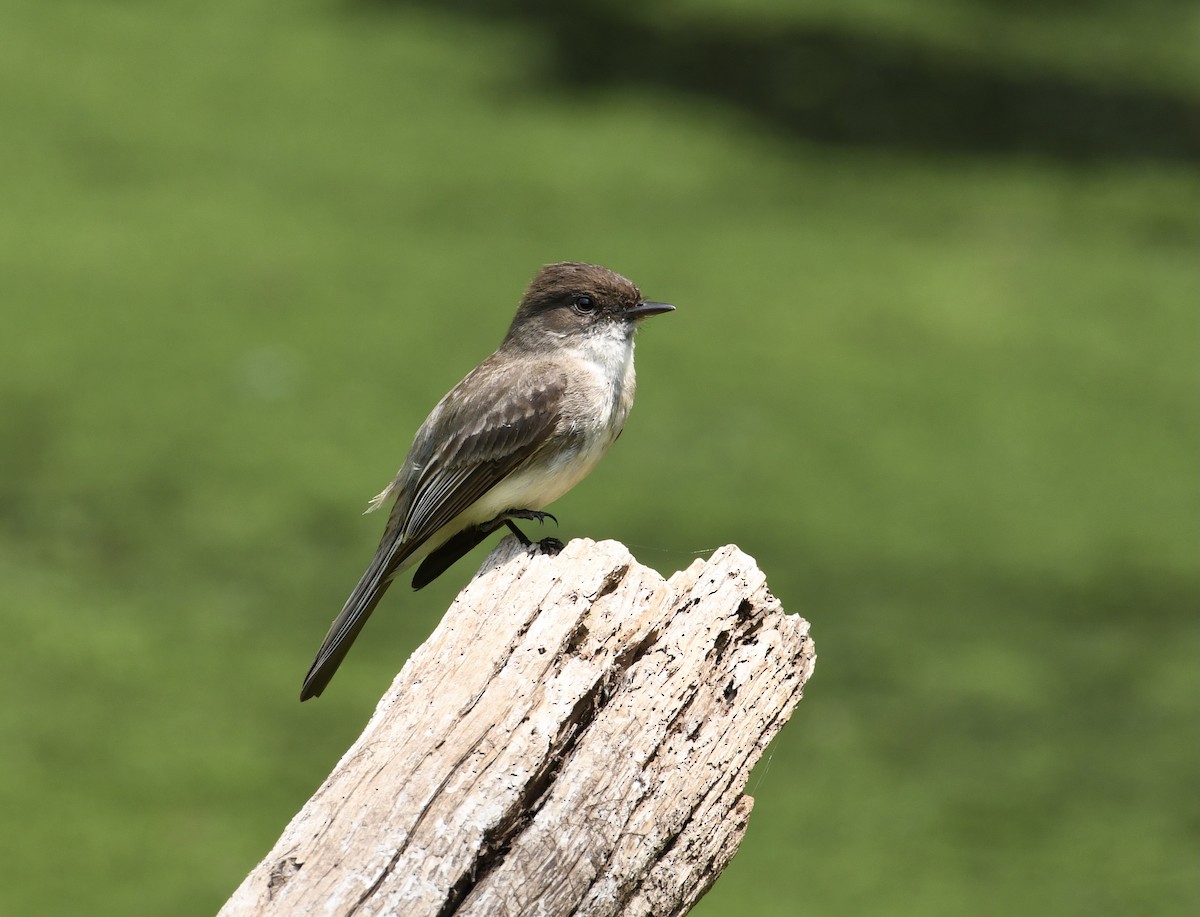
pixel 939 382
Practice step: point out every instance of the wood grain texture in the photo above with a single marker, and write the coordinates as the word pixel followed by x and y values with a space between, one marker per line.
pixel 574 738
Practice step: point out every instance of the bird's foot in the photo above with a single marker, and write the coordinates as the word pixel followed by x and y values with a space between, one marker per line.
pixel 551 546
pixel 535 515
pixel 548 545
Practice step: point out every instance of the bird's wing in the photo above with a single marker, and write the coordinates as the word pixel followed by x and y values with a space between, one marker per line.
pixel 481 432
pixel 463 457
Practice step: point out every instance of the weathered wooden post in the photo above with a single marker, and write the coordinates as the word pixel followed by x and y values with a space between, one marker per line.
pixel 574 738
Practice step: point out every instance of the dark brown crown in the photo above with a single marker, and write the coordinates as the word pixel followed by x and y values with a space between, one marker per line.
pixel 557 282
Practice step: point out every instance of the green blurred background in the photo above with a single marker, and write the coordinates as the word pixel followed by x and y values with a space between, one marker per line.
pixel 934 366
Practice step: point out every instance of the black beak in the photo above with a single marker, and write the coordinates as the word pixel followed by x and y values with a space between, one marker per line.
pixel 642 309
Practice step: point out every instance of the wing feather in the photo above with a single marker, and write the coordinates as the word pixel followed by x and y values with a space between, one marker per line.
pixel 480 433
pixel 466 460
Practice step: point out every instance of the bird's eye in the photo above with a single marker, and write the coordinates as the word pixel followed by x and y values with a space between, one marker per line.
pixel 585 304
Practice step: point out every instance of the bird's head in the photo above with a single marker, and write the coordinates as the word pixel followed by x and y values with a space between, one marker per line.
pixel 575 300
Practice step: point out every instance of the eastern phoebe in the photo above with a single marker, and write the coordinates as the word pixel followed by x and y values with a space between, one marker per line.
pixel 523 428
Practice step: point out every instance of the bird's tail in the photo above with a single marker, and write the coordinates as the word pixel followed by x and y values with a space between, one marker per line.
pixel 349 622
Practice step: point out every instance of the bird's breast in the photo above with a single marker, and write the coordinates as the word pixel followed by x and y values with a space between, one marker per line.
pixel 592 414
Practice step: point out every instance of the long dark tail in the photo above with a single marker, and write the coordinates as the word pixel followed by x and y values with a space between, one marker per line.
pixel 346 626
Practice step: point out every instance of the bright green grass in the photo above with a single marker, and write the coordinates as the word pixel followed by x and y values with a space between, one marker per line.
pixel 949 406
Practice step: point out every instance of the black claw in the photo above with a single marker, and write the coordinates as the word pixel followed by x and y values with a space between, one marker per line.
pixel 535 515
pixel 550 546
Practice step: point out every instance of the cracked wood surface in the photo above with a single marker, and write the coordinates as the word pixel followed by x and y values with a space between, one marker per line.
pixel 574 738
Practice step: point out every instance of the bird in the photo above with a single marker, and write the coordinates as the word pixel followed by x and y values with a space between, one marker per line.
pixel 519 431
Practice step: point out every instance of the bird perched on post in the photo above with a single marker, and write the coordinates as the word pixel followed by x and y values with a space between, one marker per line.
pixel 523 428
